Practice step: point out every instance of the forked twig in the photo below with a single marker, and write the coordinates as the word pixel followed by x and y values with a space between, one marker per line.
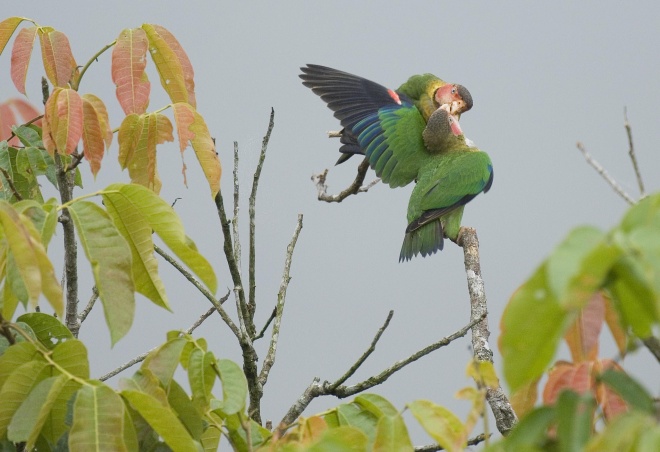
pixel 603 172
pixel 353 189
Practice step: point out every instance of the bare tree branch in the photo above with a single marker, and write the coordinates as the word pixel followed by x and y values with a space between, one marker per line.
pixel 631 153
pixel 209 296
pixel 353 189
pixel 505 417
pixel 234 221
pixel 251 206
pixel 317 389
pixel 143 356
pixel 281 298
pixel 90 304
pixel 267 324
pixel 349 373
pixel 600 170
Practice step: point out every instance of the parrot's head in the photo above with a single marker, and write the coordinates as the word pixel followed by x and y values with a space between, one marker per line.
pixel 456 96
pixel 452 119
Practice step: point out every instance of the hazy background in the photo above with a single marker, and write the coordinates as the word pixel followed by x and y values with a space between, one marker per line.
pixel 543 76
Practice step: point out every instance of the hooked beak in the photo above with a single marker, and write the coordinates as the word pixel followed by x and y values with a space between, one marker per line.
pixel 455 126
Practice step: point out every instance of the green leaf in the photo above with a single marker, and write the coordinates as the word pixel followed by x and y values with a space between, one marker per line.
pixel 167 224
pixel 234 386
pixel 98 419
pixel 59 418
pixel 185 410
pixel 645 213
pixel 14 357
pixel 16 389
pixel 531 432
pixel 624 433
pixel 164 360
pixel 211 439
pixel 392 434
pixel 632 296
pixel 23 182
pixel 28 135
pixel 532 326
pixel 146 382
pixel 201 376
pixel 110 257
pixel 352 414
pixel 163 420
pixel 48 329
pixel 137 231
pixel 72 356
pixel 441 424
pixel 377 405
pixel 575 420
pixel 629 389
pixel 344 439
pixel 33 412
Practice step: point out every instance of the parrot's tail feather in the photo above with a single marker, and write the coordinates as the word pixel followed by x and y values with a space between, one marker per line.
pixel 350 146
pixel 425 241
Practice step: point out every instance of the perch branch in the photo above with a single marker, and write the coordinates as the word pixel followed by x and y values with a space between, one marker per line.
pixel 143 356
pixel 603 172
pixel 505 417
pixel 90 304
pixel 317 389
pixel 631 153
pixel 353 189
pixel 269 360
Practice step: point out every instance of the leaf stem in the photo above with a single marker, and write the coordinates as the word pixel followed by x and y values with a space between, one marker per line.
pixel 76 83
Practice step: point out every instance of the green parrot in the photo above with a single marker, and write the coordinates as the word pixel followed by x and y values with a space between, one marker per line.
pixel 448 181
pixel 411 134
pixel 381 123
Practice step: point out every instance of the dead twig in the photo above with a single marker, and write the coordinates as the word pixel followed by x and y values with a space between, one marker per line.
pixel 353 189
pixel 631 153
pixel 609 179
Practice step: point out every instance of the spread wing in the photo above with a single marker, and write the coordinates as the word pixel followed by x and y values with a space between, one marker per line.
pixel 384 124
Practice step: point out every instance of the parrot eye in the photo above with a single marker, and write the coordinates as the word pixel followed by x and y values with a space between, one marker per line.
pixel 454 90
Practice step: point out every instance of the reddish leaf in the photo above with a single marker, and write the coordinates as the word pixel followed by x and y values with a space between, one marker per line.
pixel 7 29
pixel 614 324
pixel 169 66
pixel 25 109
pixel 58 60
pixel 50 122
pixel 582 336
pixel 93 145
pixel 128 63
pixel 64 112
pixel 20 57
pixel 611 402
pixel 102 114
pixel 7 119
pixel 184 61
pixel 191 128
pixel 565 375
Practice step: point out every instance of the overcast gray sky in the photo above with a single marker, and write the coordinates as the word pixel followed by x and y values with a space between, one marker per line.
pixel 543 76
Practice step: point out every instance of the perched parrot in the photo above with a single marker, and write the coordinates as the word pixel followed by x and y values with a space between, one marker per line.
pixel 384 124
pixel 448 181
pixel 409 134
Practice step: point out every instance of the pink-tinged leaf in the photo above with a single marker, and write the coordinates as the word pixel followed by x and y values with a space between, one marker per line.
pixel 58 60
pixel 192 128
pixel 7 29
pixel 582 336
pixel 184 61
pixel 93 146
pixel 128 63
pixel 26 110
pixel 168 65
pixel 50 122
pixel 576 377
pixel 611 402
pixel 20 57
pixel 102 115
pixel 7 119
pixel 69 123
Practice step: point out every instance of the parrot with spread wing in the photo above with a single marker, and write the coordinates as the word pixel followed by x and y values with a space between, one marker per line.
pixel 383 124
pixel 409 134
